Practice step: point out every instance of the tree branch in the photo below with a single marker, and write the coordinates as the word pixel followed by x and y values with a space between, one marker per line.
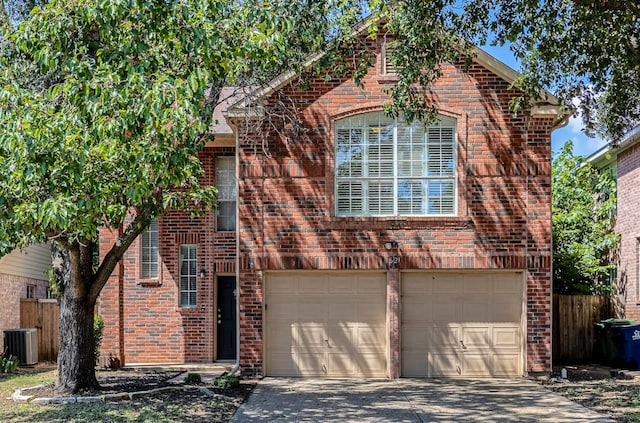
pixel 111 259
pixel 618 5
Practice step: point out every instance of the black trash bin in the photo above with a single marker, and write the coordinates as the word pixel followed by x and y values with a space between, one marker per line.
pixel 618 343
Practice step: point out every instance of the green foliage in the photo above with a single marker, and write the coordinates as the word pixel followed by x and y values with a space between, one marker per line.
pixel 98 329
pixel 588 52
pixel 105 107
pixel 226 382
pixel 193 379
pixel 8 363
pixel 584 240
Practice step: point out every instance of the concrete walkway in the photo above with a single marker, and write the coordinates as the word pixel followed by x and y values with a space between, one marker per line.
pixel 408 400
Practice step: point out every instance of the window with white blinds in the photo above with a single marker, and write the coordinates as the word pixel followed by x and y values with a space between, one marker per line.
pixel 226 185
pixel 188 276
pixel 149 252
pixel 387 167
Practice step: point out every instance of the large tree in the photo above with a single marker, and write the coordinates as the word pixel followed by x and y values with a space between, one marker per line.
pixel 104 106
pixel 584 237
pixel 585 51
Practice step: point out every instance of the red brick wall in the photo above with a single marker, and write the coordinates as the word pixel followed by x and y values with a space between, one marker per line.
pixel 286 204
pixel 287 221
pixel 143 320
pixel 628 225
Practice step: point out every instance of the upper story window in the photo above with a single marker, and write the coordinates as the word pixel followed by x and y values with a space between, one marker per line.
pixel 149 252
pixel 226 184
pixel 388 167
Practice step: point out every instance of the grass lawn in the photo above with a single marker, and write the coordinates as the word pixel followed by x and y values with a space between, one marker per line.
pixel 173 406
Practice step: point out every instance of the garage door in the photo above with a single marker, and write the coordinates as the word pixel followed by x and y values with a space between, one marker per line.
pixel 462 325
pixel 325 324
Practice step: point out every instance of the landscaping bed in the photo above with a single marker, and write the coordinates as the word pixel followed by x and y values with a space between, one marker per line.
pixel 173 401
pixel 612 393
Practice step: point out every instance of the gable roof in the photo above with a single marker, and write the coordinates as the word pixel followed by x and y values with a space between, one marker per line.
pixel 549 105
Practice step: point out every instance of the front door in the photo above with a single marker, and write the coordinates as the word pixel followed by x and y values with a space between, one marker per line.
pixel 226 339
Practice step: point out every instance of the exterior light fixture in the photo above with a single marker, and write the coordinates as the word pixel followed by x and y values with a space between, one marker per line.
pixel 392 244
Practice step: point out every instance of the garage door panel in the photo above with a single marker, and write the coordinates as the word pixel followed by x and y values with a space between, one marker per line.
pixel 414 310
pixel 447 336
pixel 371 364
pixel 506 337
pixel 476 364
pixel 444 364
pixel 507 364
pixel 415 364
pixel 414 337
pixel 506 310
pixel 483 310
pixel 342 284
pixel 337 327
pixel 371 284
pixel 369 337
pixel 476 312
pixel 444 309
pixel 283 339
pixel 476 337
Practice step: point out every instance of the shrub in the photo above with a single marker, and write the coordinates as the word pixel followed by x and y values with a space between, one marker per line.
pixel 8 363
pixel 98 328
pixel 227 381
pixel 192 378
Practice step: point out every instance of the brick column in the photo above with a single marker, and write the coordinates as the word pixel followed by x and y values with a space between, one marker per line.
pixel 393 321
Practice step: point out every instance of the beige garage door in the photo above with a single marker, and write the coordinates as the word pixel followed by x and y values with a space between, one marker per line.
pixel 325 324
pixel 462 325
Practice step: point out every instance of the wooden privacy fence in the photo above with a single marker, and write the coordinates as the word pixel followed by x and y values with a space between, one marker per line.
pixel 43 315
pixel 573 319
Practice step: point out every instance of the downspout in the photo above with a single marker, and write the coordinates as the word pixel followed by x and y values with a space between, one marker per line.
pixel 236 367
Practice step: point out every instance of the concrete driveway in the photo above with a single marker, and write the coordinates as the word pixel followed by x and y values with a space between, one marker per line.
pixel 408 400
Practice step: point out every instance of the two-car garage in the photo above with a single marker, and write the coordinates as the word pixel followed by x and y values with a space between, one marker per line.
pixel 452 324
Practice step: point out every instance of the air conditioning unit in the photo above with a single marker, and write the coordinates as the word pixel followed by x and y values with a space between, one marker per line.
pixel 23 344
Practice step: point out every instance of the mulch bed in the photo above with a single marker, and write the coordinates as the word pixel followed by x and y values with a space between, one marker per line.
pixel 195 404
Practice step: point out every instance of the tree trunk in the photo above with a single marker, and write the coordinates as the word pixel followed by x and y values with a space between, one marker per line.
pixel 76 359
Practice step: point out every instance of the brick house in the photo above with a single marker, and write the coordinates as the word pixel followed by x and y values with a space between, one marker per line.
pixel 623 161
pixel 360 245
pixel 23 274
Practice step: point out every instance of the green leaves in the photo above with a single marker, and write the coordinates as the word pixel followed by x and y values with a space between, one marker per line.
pixel 583 214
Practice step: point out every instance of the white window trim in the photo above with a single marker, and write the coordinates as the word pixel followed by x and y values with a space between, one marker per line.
pixel 226 200
pixel 145 244
pixel 181 290
pixel 395 178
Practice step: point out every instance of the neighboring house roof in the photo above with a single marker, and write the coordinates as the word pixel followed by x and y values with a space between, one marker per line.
pixel 548 105
pixel 219 125
pixel 608 154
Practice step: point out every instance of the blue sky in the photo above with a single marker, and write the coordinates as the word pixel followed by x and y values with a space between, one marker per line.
pixel 582 145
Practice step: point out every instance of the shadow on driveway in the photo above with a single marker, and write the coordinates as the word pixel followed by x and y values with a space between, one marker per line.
pixel 408 400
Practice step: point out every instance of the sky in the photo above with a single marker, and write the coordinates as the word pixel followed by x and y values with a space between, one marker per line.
pixel 582 145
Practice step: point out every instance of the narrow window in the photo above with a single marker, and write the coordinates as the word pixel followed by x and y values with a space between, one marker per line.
pixel 149 252
pixel 188 276
pixel 31 291
pixel 226 184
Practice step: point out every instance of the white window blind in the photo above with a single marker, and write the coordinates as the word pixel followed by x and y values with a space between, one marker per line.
pixel 387 167
pixel 188 276
pixel 226 185
pixel 149 252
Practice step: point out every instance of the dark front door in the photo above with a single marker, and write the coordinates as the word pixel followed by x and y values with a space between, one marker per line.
pixel 226 318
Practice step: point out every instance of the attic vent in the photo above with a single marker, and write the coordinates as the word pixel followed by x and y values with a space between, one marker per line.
pixel 387 68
